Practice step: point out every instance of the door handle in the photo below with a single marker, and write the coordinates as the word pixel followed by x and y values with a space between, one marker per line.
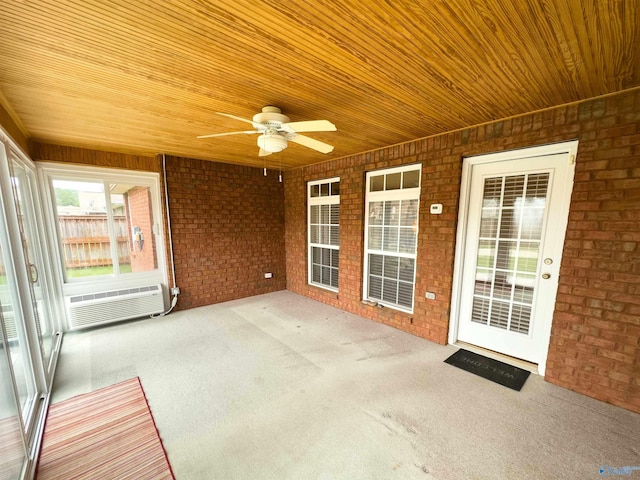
pixel 34 273
pixel 546 276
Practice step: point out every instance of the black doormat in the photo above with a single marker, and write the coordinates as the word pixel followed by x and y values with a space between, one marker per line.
pixel 498 372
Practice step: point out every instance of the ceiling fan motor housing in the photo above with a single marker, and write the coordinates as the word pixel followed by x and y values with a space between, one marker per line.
pixel 271 117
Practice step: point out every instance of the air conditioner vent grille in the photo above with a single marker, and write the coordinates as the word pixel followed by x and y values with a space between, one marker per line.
pixel 111 306
pixel 114 293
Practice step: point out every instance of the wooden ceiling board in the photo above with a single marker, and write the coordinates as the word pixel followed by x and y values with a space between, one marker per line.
pixel 147 77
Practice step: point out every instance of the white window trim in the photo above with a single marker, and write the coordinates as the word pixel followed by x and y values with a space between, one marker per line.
pixel 329 200
pixel 399 194
pixel 47 171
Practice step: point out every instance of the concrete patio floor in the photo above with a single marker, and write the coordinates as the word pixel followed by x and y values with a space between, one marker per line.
pixel 281 387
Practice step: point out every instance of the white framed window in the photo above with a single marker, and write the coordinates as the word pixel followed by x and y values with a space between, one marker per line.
pixel 106 226
pixel 391 236
pixel 323 200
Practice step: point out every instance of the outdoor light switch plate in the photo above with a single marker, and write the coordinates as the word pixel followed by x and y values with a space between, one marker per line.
pixel 268 275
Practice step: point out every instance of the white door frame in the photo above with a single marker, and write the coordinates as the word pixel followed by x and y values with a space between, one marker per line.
pixel 569 148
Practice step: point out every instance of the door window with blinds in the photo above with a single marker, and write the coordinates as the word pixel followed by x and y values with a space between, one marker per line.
pixel 391 236
pixel 513 209
pixel 324 232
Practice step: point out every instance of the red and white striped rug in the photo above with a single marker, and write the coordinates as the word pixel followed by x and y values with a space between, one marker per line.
pixel 106 434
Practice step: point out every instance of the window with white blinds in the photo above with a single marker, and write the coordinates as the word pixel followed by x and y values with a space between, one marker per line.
pixel 391 236
pixel 324 232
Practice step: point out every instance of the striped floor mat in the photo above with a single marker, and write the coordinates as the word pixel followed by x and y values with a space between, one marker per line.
pixel 106 434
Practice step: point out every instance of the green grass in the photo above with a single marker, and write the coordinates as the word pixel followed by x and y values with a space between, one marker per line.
pixel 95 271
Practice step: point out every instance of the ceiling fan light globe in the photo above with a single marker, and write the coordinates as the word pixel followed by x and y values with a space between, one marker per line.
pixel 272 142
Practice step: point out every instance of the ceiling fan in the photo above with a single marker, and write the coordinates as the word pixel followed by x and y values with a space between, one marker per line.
pixel 276 130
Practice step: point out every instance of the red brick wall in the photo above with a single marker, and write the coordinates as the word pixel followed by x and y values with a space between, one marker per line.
pixel 228 230
pixel 595 343
pixel 140 214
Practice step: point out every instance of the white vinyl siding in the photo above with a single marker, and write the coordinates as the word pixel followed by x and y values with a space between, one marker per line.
pixel 391 233
pixel 324 232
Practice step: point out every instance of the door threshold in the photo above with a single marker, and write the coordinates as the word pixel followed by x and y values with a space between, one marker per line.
pixel 501 357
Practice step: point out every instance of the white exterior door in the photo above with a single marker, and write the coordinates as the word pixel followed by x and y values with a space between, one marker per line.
pixel 513 223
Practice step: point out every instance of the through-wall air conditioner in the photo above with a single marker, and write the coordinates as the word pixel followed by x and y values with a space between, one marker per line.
pixel 9 323
pixel 93 309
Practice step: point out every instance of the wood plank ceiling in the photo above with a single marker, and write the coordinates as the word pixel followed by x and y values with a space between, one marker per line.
pixel 146 77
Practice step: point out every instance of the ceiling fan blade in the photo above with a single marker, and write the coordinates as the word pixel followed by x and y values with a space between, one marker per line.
pixel 225 134
pixel 310 126
pixel 263 153
pixel 246 120
pixel 312 143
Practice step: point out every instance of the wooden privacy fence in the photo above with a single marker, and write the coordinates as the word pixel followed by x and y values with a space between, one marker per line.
pixel 85 240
